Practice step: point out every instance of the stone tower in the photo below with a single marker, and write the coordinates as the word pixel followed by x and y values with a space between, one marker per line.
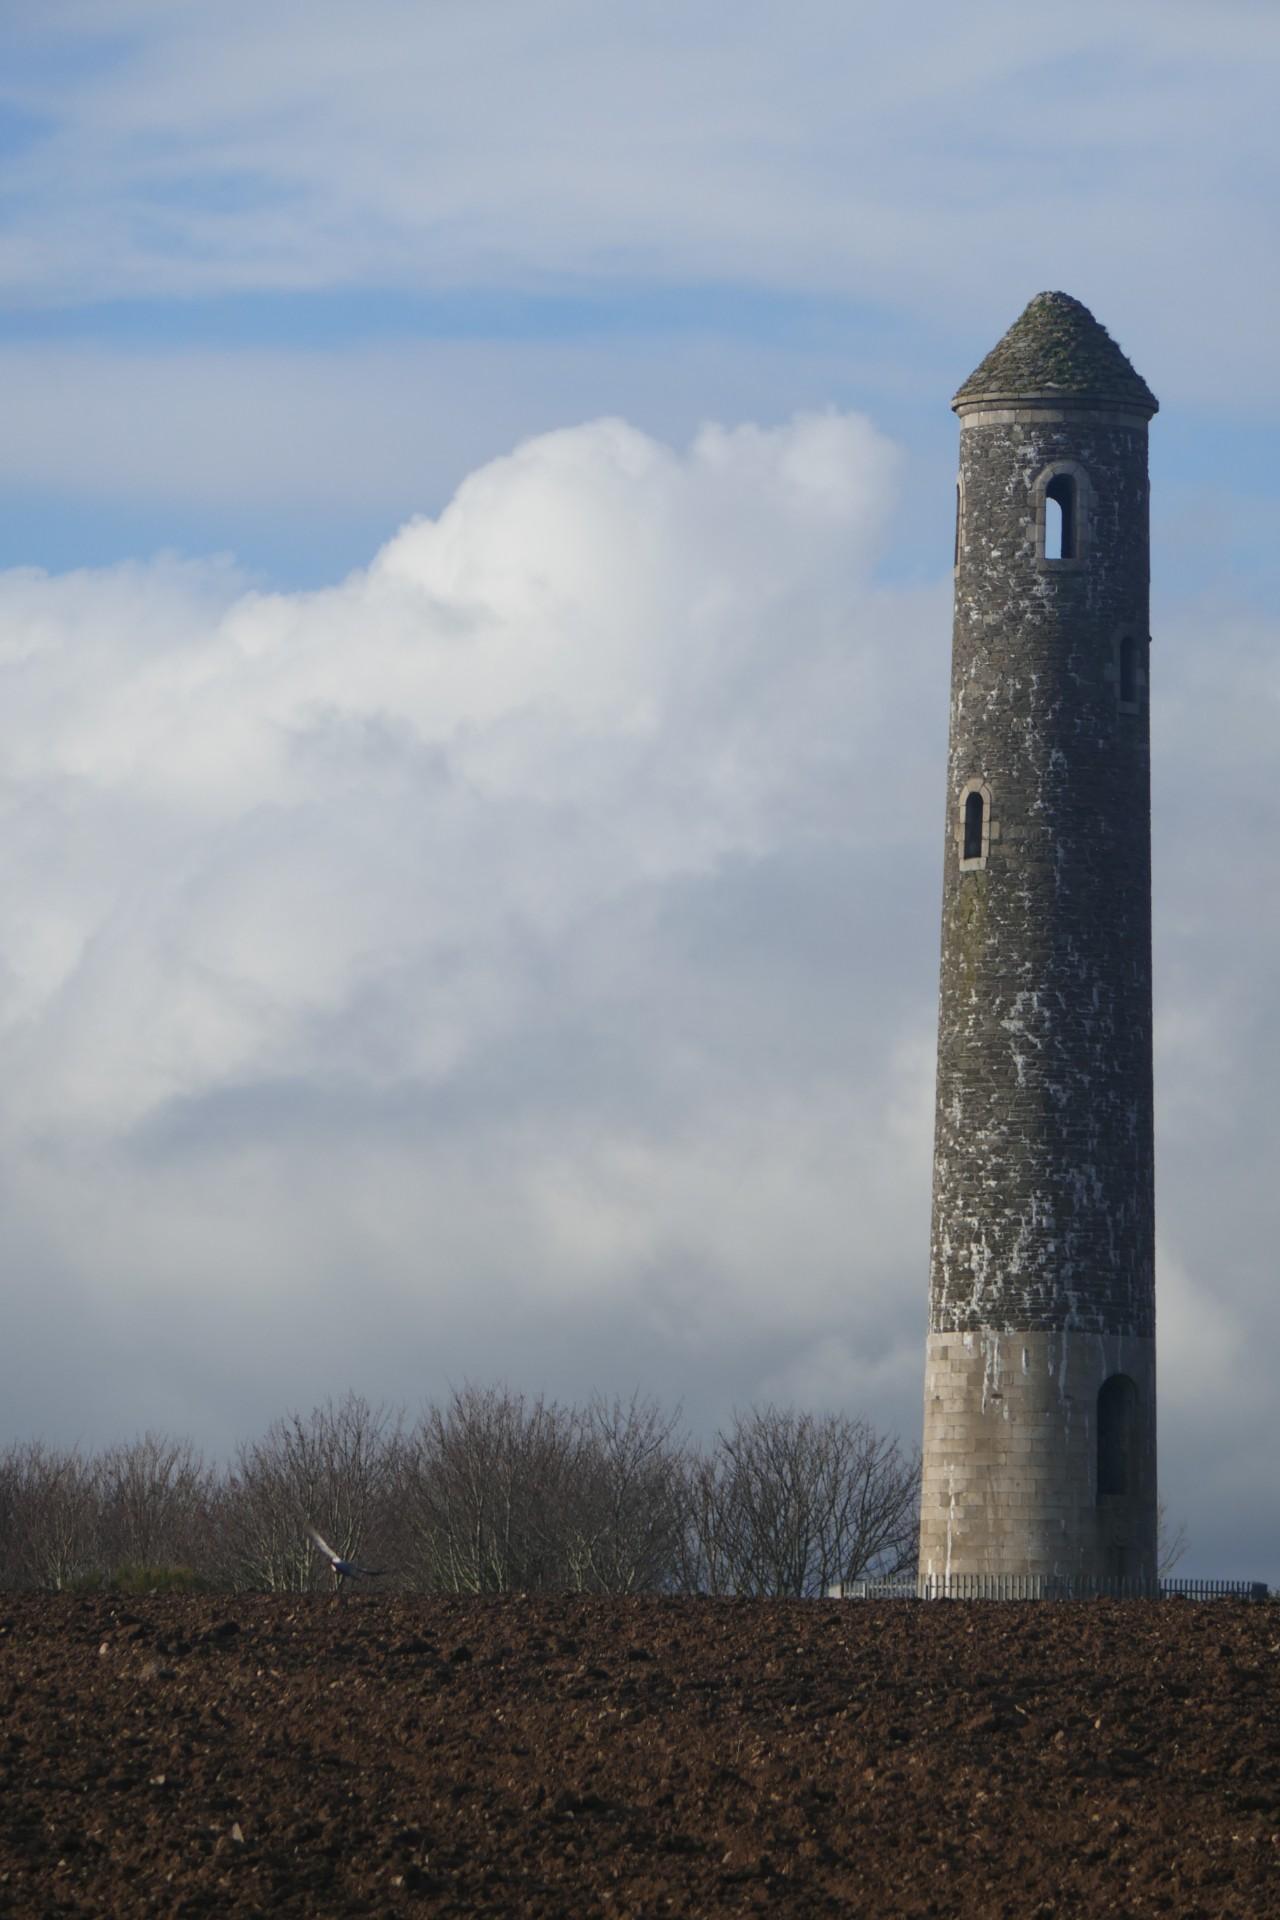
pixel 1039 1409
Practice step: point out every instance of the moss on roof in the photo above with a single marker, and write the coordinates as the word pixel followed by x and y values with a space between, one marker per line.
pixel 1056 348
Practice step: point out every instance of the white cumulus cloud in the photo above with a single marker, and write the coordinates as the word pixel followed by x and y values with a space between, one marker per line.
pixel 451 971
pixel 518 960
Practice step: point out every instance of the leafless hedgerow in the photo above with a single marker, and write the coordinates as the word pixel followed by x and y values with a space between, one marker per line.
pixel 788 1503
pixel 331 1468
pixel 489 1492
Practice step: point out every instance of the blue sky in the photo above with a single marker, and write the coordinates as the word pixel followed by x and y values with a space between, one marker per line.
pixel 476 484
pixel 546 209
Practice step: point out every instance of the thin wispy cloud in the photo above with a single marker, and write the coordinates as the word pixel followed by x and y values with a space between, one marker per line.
pixel 182 151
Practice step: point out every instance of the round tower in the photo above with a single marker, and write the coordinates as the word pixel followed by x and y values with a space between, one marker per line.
pixel 1040 1412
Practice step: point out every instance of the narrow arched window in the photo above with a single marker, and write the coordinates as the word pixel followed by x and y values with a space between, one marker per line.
pixel 1060 518
pixel 1128 671
pixel 974 825
pixel 1117 1435
pixel 973 809
pixel 959 509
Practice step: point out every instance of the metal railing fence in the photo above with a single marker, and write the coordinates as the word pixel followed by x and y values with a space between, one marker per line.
pixel 1044 1586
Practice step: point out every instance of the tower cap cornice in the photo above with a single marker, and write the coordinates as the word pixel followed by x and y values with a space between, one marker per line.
pixel 1056 354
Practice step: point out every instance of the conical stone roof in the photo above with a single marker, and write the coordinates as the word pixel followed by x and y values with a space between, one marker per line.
pixel 1056 350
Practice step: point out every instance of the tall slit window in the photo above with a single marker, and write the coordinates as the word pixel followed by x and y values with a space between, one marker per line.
pixel 973 810
pixel 1117 1434
pixel 1060 518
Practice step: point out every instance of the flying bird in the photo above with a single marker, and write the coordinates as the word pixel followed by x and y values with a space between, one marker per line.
pixel 345 1569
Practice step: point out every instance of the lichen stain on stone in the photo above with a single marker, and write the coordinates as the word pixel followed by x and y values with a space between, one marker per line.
pixel 967 933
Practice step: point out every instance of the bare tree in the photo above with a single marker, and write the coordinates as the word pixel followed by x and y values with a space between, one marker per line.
pixel 1171 1541
pixel 628 1514
pixel 8 1516
pixel 488 1482
pixel 156 1497
pixel 710 1552
pixel 330 1468
pixel 55 1509
pixel 875 1527
pixel 788 1503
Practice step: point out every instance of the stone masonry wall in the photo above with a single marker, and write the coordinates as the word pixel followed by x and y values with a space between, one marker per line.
pixel 1043 1210
pixel 1010 1448
pixel 1042 1259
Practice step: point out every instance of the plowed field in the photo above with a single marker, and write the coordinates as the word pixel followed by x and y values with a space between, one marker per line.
pixel 596 1757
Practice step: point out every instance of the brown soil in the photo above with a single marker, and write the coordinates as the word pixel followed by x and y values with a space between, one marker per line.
pixel 645 1757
